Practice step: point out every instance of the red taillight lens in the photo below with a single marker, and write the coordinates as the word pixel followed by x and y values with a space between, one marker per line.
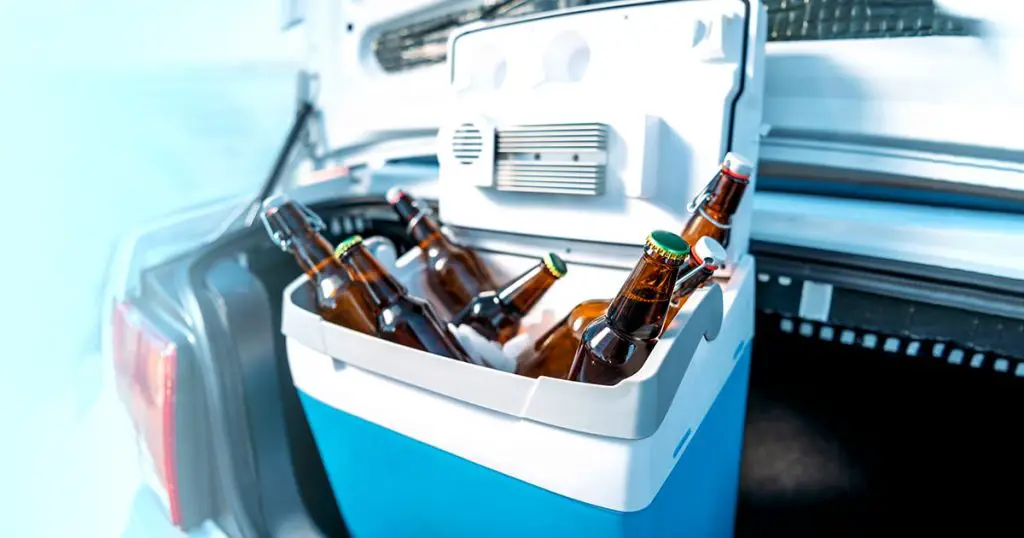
pixel 145 363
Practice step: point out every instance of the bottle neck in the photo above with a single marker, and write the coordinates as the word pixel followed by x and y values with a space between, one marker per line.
pixel 420 222
pixel 725 196
pixel 314 255
pixel 525 290
pixel 406 207
pixel 639 310
pixel 384 290
pixel 690 282
pixel 427 234
pixel 290 222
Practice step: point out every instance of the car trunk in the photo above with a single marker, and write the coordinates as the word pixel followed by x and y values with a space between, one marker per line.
pixel 893 403
pixel 859 422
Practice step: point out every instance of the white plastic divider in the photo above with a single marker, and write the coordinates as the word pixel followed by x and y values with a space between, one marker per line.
pixel 632 409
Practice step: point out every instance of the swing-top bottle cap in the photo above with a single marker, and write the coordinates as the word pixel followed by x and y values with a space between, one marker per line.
pixel 555 265
pixel 737 165
pixel 668 245
pixel 276 221
pixel 395 194
pixel 409 208
pixel 281 214
pixel 272 203
pixel 705 249
pixel 284 218
pixel 347 245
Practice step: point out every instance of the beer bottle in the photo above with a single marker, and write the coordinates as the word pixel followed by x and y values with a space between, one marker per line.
pixel 296 229
pixel 616 345
pixel 400 317
pixel 496 314
pixel 714 207
pixel 713 255
pixel 553 351
pixel 454 274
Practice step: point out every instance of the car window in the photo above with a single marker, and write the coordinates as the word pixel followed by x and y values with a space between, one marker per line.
pixel 424 42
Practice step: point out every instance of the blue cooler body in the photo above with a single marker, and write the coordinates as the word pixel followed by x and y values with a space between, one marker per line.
pixel 388 485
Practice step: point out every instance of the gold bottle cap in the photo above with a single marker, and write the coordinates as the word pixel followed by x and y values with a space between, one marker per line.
pixel 347 245
pixel 555 265
pixel 668 245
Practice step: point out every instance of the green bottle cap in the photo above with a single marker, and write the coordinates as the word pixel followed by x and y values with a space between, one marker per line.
pixel 668 245
pixel 555 265
pixel 347 245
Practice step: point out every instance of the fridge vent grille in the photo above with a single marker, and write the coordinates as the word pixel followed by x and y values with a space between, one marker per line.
pixel 467 143
pixel 566 158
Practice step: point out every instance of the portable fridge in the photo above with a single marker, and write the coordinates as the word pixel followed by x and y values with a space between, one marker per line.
pixel 540 157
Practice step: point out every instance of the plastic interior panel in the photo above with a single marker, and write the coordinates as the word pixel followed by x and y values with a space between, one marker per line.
pixel 585 408
pixel 245 313
pixel 870 105
pixel 358 100
pixel 978 241
pixel 666 140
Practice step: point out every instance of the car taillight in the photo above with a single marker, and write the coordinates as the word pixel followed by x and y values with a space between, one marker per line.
pixel 145 365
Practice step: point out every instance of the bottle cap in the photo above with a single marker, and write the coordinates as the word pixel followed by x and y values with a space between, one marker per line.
pixel 555 265
pixel 394 194
pixel 705 249
pixel 347 245
pixel 737 166
pixel 273 203
pixel 283 219
pixel 274 220
pixel 668 245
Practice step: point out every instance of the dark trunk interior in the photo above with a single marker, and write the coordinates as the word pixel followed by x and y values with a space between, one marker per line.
pixel 841 440
pixel 846 441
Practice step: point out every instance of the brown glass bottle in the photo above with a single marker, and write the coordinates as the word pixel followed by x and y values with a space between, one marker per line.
pixel 616 345
pixel 496 314
pixel 714 207
pixel 399 317
pixel 555 349
pixel 296 229
pixel 455 274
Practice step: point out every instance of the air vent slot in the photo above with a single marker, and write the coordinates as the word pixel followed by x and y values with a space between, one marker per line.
pixel 467 143
pixel 565 158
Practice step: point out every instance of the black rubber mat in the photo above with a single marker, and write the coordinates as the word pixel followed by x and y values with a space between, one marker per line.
pixel 847 441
